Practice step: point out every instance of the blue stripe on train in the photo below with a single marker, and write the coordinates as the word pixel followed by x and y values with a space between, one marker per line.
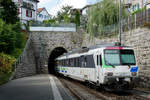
pixel 134 69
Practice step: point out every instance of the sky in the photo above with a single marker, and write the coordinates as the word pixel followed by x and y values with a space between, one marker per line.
pixel 53 6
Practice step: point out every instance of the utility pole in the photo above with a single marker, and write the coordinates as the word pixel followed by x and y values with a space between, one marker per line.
pixel 120 21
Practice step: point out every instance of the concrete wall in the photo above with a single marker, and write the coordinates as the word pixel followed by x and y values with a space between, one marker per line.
pixel 55 29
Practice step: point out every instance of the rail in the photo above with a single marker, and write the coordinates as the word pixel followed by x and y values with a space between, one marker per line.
pixel 79 90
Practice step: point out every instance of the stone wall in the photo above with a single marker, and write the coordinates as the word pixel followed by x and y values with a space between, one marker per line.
pixel 26 65
pixel 45 42
pixel 39 48
pixel 140 40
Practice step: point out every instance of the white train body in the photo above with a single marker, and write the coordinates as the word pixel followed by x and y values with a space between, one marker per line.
pixel 112 66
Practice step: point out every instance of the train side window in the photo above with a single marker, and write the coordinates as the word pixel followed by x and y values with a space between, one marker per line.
pixel 65 62
pixel 75 62
pixel 71 62
pixel 68 63
pixel 78 60
pixel 100 60
pixel 85 61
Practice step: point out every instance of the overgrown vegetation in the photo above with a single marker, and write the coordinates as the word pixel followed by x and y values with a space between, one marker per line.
pixel 9 12
pixel 67 16
pixel 77 19
pixel 103 14
pixel 64 15
pixel 140 10
pixel 4 78
pixel 6 62
pixel 51 22
pixel 12 40
pixel 6 68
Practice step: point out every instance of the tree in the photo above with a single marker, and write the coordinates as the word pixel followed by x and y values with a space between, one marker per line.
pixel 9 13
pixel 19 43
pixel 103 14
pixel 77 18
pixel 7 38
pixel 11 37
pixel 64 14
pixel 1 8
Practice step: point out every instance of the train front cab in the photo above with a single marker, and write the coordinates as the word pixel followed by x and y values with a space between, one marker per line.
pixel 117 68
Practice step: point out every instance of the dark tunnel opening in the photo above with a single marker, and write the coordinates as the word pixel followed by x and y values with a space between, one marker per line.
pixel 54 54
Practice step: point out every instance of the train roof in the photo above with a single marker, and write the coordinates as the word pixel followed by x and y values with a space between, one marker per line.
pixel 86 49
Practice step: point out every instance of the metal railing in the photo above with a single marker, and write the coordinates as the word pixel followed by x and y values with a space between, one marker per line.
pixel 40 24
pixel 21 57
pixel 131 22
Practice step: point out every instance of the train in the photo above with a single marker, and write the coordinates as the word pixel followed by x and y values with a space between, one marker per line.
pixel 110 65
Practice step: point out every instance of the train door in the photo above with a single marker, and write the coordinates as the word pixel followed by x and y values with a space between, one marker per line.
pixel 99 68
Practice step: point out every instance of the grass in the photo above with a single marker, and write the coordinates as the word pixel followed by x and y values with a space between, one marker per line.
pixel 4 78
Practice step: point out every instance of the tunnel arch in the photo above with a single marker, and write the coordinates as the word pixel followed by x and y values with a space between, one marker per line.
pixel 53 55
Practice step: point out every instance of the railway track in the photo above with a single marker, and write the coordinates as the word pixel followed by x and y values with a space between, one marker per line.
pixel 83 92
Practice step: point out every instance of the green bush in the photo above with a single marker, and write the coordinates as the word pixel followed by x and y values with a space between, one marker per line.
pixel 7 38
pixel 4 78
pixel 49 22
pixel 6 63
pixel 9 11
pixel 11 37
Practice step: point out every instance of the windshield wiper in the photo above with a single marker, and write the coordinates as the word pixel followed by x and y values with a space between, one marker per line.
pixel 109 64
pixel 129 66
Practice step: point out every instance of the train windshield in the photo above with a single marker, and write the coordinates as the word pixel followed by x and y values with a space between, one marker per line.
pixel 119 57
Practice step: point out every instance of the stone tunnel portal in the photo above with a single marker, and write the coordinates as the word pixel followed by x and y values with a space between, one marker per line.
pixel 54 54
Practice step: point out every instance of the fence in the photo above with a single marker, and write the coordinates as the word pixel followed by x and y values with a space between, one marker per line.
pixel 132 22
pixel 41 24
pixel 136 20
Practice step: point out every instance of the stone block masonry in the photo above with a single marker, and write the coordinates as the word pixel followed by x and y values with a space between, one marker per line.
pixel 27 65
pixel 36 56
